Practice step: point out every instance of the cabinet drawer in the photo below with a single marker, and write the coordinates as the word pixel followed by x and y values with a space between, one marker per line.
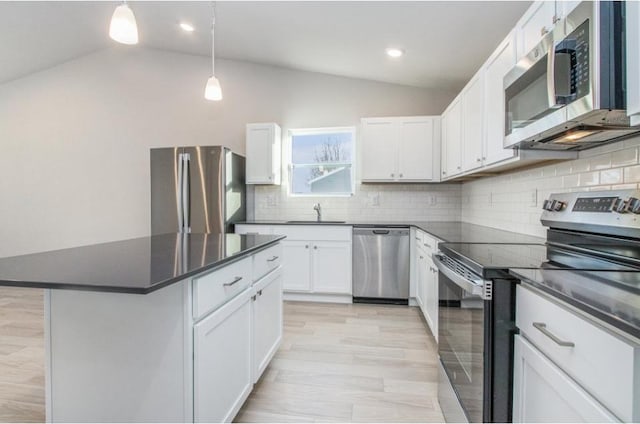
pixel 426 242
pixel 604 364
pixel 314 232
pixel 216 288
pixel 266 260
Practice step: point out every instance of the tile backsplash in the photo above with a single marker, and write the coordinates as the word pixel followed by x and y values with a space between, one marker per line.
pixel 513 201
pixel 371 202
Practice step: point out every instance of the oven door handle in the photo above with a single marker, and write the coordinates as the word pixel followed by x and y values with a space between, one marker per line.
pixel 478 287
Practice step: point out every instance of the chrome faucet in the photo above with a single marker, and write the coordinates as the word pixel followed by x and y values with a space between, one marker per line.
pixel 318 210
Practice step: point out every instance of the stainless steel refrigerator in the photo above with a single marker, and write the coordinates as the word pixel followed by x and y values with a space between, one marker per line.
pixel 196 189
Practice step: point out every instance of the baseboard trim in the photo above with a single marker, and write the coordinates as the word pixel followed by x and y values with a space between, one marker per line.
pixel 318 297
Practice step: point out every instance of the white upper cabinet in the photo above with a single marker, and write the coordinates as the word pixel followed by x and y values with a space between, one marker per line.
pixel 417 148
pixel 379 149
pixel 263 153
pixel 534 24
pixel 500 62
pixel 564 7
pixel 400 149
pixel 633 61
pixel 540 19
pixel 452 140
pixel 472 123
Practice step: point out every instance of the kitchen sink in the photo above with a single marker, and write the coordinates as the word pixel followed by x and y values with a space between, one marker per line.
pixel 315 222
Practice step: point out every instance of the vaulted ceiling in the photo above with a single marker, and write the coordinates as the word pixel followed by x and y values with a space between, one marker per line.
pixel 445 41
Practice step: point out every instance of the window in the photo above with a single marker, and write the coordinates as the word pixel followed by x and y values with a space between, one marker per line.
pixel 322 161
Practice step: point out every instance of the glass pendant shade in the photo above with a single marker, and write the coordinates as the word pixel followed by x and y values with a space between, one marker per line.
pixel 213 91
pixel 123 28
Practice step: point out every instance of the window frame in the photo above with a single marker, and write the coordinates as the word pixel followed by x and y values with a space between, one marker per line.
pixel 319 131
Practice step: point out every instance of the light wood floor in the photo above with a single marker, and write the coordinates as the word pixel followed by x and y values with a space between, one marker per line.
pixel 21 355
pixel 361 363
pixel 349 363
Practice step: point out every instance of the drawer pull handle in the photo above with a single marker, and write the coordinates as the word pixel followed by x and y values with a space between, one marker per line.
pixel 259 292
pixel 428 245
pixel 542 327
pixel 235 280
pixel 272 259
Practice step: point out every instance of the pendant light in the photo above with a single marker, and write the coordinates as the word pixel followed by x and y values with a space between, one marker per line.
pixel 212 91
pixel 123 28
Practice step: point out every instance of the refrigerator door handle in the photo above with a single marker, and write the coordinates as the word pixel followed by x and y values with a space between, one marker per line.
pixel 180 191
pixel 186 192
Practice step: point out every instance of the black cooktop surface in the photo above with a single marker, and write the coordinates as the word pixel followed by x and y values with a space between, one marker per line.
pixel 483 258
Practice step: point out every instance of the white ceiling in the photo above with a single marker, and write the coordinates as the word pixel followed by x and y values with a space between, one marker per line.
pixel 445 42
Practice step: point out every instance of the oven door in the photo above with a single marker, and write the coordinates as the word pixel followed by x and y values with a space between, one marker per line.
pixel 463 313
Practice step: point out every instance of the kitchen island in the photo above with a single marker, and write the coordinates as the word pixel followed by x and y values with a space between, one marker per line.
pixel 173 327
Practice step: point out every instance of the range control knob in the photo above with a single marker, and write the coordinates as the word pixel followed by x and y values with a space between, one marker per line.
pixel 633 205
pixel 558 205
pixel 619 205
pixel 546 205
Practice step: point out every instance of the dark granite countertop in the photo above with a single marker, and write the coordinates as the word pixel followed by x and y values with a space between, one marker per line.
pixel 139 266
pixel 449 231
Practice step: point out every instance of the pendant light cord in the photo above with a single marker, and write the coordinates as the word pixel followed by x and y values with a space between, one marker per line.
pixel 213 24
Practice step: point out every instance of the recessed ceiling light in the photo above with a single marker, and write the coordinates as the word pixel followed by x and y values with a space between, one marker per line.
pixel 187 27
pixel 392 52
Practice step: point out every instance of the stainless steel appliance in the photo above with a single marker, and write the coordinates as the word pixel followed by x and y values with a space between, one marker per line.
pixel 196 189
pixel 381 264
pixel 569 91
pixel 591 259
pixel 476 317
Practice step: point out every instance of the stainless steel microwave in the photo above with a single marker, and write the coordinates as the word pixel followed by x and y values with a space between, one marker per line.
pixel 568 93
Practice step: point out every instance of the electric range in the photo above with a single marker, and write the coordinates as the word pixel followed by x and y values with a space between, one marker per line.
pixel 591 259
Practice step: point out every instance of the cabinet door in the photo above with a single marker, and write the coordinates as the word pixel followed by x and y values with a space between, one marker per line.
pixel 222 376
pixel 501 62
pixel 564 7
pixel 415 151
pixel 633 61
pixel 379 149
pixel 472 120
pixel 297 265
pixel 420 277
pixel 267 321
pixel 543 393
pixel 262 162
pixel 331 267
pixel 452 139
pixel 431 298
pixel 534 24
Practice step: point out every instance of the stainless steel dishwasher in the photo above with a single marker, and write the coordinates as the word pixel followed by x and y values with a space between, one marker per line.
pixel 381 264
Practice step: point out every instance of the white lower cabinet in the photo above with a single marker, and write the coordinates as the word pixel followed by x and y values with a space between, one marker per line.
pixel 316 260
pixel 420 278
pixel 297 256
pixel 431 296
pixel 426 279
pixel 267 320
pixel 544 393
pixel 222 361
pixel 331 267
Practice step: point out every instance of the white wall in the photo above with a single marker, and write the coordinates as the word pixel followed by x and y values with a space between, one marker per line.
pixel 75 138
pixel 506 201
